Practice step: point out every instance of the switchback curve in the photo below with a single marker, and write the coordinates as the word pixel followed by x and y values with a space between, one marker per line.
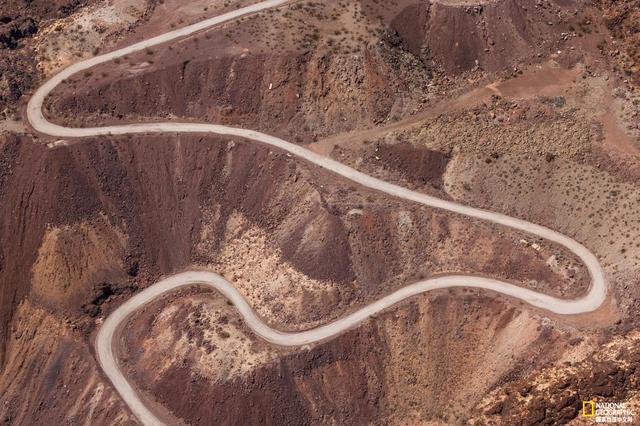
pixel 104 341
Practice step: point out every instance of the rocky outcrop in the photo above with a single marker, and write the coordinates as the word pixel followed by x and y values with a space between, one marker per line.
pixel 623 20
pixel 490 35
pixel 40 9
pixel 411 365
pixel 12 31
pixel 301 96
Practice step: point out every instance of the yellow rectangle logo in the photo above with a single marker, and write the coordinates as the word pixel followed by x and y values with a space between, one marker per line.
pixel 588 408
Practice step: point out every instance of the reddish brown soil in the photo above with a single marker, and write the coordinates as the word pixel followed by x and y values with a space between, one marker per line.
pixel 414 362
pixel 236 91
pixel 622 19
pixel 91 178
pixel 49 375
pixel 557 396
pixel 299 92
pixel 153 190
pixel 92 223
pixel 42 9
pixel 491 35
pixel 20 20
pixel 418 164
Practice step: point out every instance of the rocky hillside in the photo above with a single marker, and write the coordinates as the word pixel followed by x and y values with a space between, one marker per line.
pixel 99 220
pixel 19 21
pixel 623 20
pixel 490 35
pixel 514 106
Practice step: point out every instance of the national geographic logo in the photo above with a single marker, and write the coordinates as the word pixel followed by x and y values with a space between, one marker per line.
pixel 607 412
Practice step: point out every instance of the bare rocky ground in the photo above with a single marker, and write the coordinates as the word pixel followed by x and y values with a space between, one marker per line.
pixel 528 108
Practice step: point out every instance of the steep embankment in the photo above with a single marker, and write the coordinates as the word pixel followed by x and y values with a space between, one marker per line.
pixel 100 219
pixel 302 95
pixel 622 19
pixel 349 66
pixel 20 20
pixel 492 35
pixel 336 72
pixel 426 360
pixel 110 216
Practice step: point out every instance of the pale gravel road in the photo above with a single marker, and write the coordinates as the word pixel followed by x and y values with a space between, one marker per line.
pixel 104 347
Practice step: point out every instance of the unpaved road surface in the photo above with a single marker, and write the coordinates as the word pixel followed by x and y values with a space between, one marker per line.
pixel 104 346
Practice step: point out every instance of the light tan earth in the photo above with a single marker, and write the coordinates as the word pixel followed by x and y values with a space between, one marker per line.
pixel 86 32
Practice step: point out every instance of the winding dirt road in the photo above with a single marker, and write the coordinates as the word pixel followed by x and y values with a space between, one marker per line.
pixel 104 341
